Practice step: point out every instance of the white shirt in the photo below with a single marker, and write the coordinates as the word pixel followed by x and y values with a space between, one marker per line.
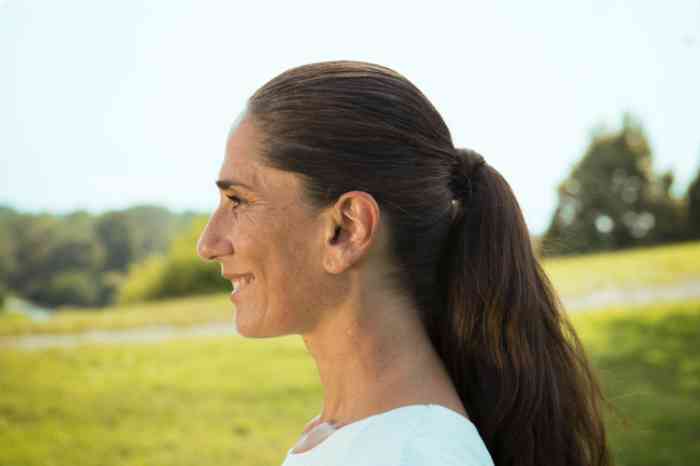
pixel 413 435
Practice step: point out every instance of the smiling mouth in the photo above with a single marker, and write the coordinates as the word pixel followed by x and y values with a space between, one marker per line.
pixel 240 283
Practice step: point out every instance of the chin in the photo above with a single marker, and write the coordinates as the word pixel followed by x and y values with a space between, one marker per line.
pixel 254 330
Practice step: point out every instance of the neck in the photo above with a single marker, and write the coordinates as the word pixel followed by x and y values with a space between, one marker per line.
pixel 373 355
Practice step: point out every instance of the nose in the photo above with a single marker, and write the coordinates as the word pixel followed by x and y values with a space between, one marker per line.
pixel 212 243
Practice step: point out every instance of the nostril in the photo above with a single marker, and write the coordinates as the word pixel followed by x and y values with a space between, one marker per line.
pixel 210 250
pixel 208 255
pixel 205 253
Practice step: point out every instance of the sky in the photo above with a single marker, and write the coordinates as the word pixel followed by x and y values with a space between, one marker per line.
pixel 104 105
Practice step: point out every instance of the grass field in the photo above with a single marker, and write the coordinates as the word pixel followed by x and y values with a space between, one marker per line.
pixel 192 402
pixel 649 362
pixel 630 269
pixel 178 311
pixel 572 276
pixel 243 402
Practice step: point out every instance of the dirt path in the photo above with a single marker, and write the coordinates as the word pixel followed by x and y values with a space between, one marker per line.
pixel 150 334
pixel 678 291
pixel 156 334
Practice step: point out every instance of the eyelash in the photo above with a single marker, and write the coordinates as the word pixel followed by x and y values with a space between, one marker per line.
pixel 235 199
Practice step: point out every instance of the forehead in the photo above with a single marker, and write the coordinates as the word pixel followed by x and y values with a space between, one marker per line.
pixel 242 150
pixel 243 162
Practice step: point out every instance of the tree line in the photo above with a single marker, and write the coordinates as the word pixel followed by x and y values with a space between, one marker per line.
pixel 80 259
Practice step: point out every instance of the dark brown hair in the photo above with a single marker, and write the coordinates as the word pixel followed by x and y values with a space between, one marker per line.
pixel 486 303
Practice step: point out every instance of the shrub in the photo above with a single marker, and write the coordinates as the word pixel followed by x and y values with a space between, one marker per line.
pixel 178 273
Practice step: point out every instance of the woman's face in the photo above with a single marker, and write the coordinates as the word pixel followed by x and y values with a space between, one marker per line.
pixel 263 230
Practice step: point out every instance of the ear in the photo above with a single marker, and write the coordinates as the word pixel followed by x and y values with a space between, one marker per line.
pixel 352 229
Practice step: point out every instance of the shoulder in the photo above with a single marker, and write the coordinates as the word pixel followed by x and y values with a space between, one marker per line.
pixel 418 436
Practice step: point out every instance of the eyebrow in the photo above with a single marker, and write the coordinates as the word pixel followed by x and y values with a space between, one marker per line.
pixel 226 184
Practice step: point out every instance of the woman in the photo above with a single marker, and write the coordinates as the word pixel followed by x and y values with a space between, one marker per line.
pixel 348 217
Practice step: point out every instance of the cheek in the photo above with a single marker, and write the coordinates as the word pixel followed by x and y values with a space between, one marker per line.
pixel 295 267
pixel 249 238
pixel 290 263
pixel 311 291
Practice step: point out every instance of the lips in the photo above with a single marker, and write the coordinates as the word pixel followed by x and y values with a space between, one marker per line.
pixel 240 281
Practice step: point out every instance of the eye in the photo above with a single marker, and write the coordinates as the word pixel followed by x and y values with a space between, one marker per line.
pixel 236 200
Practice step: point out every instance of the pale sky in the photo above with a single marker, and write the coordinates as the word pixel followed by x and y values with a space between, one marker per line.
pixel 108 104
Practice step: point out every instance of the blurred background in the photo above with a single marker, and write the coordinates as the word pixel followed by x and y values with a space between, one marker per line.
pixel 116 342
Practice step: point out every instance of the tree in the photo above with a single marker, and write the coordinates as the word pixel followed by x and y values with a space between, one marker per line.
pixel 132 234
pixel 693 205
pixel 179 272
pixel 114 231
pixel 51 254
pixel 79 259
pixel 7 248
pixel 612 199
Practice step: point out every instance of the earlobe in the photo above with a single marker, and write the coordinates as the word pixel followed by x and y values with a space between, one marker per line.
pixel 329 264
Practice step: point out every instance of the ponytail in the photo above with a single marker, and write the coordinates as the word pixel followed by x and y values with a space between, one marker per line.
pixel 516 362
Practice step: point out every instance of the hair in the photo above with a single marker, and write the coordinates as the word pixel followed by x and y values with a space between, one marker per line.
pixel 486 303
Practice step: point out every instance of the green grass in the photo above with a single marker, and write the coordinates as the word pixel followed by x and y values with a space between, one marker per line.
pixel 184 311
pixel 209 401
pixel 649 362
pixel 572 276
pixel 633 268
pixel 244 402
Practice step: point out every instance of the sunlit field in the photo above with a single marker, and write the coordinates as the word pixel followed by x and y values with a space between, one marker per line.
pixel 649 362
pixel 191 402
pixel 237 401
pixel 184 311
pixel 630 269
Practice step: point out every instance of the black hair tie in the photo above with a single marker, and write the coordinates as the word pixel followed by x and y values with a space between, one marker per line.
pixel 465 171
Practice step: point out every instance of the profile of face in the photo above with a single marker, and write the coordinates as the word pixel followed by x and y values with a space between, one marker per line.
pixel 267 238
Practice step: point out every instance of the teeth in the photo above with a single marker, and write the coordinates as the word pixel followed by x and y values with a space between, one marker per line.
pixel 237 284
